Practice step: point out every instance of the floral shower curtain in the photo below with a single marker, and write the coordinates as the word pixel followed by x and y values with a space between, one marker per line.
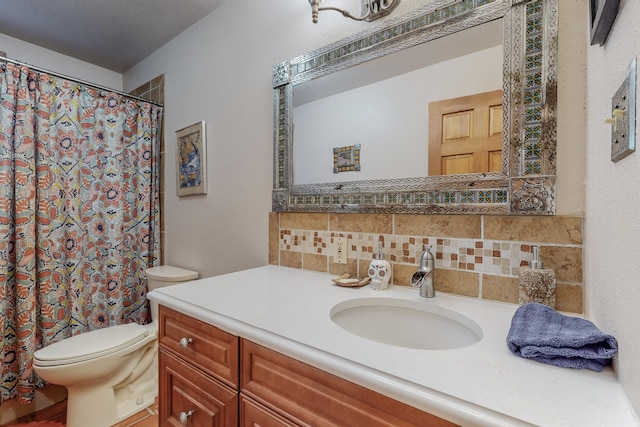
pixel 79 219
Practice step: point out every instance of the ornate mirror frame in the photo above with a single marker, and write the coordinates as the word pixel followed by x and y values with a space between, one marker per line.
pixel 526 185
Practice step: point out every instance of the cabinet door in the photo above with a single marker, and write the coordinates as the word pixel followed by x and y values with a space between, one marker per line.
pixel 207 347
pixel 310 396
pixel 253 414
pixel 189 397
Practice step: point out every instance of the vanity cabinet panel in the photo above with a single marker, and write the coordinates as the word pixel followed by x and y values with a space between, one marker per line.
pixel 187 392
pixel 207 347
pixel 309 396
pixel 253 414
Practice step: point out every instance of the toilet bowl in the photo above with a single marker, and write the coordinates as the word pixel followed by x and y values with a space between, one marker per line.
pixel 109 373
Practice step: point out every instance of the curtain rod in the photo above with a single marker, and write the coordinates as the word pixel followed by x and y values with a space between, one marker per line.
pixel 82 82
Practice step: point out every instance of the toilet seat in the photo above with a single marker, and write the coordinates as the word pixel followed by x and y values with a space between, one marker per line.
pixel 91 345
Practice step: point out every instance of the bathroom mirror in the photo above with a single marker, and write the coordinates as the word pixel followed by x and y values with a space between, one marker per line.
pixel 362 104
pixel 526 184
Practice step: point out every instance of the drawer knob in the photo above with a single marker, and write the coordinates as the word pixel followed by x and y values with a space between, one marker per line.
pixel 184 416
pixel 184 343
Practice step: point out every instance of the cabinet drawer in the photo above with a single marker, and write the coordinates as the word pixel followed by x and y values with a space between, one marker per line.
pixel 310 396
pixel 187 390
pixel 253 414
pixel 211 349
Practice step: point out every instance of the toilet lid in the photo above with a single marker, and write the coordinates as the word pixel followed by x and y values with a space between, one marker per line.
pixel 91 345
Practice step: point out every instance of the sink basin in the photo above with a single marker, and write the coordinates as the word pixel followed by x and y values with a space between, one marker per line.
pixel 406 323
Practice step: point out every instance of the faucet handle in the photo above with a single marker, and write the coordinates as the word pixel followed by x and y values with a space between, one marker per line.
pixel 418 278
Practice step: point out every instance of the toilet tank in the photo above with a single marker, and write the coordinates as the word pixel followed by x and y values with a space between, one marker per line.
pixel 166 275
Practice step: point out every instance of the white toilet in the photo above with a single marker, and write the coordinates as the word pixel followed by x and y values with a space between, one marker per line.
pixel 109 373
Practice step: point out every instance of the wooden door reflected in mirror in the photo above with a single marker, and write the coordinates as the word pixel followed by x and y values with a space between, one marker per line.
pixel 465 134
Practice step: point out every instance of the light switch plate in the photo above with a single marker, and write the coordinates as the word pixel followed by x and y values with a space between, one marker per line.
pixel 623 117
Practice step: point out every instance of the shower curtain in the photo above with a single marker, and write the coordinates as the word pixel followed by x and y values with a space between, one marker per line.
pixel 79 214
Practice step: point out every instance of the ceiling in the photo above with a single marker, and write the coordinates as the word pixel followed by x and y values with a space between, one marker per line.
pixel 114 34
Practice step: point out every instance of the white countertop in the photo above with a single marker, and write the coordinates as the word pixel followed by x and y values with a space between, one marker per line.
pixel 287 310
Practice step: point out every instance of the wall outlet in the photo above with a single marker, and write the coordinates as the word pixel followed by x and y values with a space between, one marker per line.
pixel 340 250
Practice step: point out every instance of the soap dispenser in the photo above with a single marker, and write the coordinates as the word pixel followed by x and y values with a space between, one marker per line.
pixel 537 283
pixel 379 271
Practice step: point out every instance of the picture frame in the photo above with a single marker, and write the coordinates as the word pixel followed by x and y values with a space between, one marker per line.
pixel 346 159
pixel 602 14
pixel 191 160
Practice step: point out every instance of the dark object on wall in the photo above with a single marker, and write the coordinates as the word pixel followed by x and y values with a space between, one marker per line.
pixel 602 14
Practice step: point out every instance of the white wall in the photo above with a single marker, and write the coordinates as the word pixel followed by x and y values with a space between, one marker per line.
pixel 219 70
pixel 56 62
pixel 612 230
pixel 571 149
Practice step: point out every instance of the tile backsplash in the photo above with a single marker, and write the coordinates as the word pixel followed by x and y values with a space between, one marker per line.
pixel 476 255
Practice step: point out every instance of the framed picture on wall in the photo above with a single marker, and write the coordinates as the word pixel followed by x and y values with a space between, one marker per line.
pixel 602 13
pixel 346 158
pixel 191 160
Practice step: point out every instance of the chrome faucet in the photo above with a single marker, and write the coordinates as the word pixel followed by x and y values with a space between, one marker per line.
pixel 423 278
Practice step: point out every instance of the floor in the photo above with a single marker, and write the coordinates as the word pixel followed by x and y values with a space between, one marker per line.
pixel 145 418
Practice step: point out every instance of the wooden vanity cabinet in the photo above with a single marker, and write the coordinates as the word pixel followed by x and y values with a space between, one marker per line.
pixel 212 378
pixel 254 414
pixel 308 396
pixel 198 373
pixel 192 398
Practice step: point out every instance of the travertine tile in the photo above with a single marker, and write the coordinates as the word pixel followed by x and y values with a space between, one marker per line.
pixel 147 417
pixel 569 298
pixel 460 226
pixel 274 238
pixel 141 90
pixel 566 261
pixel 457 282
pixel 150 421
pixel 163 246
pixel 291 259
pixel 361 223
pixel 304 221
pixel 402 274
pixel 338 269
pixel 543 229
pixel 308 243
pixel 363 268
pixel 144 418
pixel 156 81
pixel 155 94
pixel 314 262
pixel 500 288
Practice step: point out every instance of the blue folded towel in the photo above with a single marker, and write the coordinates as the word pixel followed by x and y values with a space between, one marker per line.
pixel 540 333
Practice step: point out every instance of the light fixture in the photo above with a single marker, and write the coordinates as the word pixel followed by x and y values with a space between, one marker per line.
pixel 373 9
